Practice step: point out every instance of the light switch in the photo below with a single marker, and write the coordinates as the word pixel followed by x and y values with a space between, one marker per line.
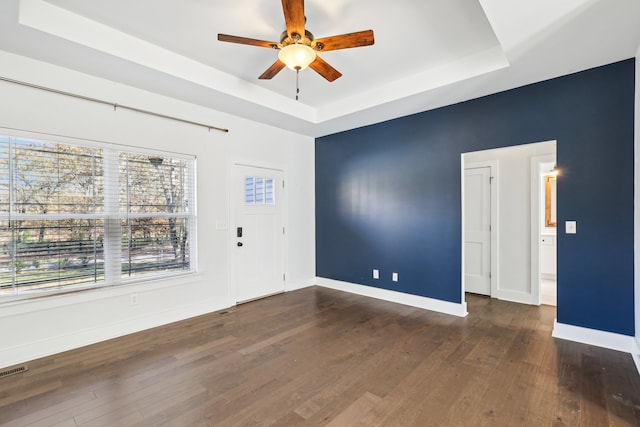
pixel 570 227
pixel 376 274
pixel 394 277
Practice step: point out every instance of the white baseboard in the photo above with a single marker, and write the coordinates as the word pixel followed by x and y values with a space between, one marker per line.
pixel 636 354
pixel 64 342
pixel 515 296
pixel 440 306
pixel 603 339
pixel 294 286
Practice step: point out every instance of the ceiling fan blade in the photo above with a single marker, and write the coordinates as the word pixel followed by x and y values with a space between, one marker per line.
pixel 273 70
pixel 324 69
pixel 245 40
pixel 294 16
pixel 344 41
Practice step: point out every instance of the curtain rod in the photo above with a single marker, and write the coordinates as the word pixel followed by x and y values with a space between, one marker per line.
pixel 114 105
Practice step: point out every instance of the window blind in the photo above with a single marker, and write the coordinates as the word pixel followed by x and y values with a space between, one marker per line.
pixel 154 201
pixel 73 215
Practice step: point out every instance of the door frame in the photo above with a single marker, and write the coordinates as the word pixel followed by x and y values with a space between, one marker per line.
pixel 231 234
pixel 536 222
pixel 493 241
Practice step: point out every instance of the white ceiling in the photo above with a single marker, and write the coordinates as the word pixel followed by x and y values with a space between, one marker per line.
pixel 427 53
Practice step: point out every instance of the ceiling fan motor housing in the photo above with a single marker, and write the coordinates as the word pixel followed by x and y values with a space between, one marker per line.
pixel 285 40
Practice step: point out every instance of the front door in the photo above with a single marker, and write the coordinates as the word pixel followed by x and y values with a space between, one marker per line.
pixel 477 230
pixel 257 232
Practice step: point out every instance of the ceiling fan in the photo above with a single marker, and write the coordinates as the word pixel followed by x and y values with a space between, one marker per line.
pixel 297 46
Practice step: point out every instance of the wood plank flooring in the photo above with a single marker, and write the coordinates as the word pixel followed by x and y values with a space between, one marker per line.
pixel 320 357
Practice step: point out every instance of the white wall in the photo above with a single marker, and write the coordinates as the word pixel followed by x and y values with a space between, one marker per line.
pixel 34 328
pixel 513 178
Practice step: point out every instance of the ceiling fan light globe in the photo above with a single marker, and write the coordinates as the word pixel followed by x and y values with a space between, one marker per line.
pixel 297 56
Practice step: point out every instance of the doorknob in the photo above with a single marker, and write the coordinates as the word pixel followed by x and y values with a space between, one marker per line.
pixel 239 243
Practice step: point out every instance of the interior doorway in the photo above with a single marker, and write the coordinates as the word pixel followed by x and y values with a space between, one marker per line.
pixel 515 227
pixel 546 175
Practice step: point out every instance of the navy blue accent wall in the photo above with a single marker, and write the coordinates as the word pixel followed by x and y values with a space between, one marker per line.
pixel 388 195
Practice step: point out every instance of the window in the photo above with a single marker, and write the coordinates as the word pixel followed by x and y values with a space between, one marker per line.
pixel 75 216
pixel 258 191
pixel 249 190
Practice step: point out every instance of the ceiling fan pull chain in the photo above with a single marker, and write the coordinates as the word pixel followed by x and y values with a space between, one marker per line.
pixel 297 82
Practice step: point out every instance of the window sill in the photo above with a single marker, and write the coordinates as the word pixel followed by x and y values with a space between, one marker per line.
pixel 14 305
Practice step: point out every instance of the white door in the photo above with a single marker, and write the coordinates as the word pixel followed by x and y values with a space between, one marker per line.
pixel 477 230
pixel 257 232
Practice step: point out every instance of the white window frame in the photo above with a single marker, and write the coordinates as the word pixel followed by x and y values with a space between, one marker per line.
pixel 111 216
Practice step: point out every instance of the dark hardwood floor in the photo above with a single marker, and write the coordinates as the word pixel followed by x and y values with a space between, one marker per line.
pixel 321 357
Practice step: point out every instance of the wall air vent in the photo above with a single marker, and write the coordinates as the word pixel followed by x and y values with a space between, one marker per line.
pixel 13 371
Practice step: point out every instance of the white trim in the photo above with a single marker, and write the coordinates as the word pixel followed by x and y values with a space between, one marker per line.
pixel 256 163
pixel 463 285
pixel 595 337
pixel 536 221
pixel 299 284
pixel 635 354
pixel 517 296
pixel 636 213
pixel 440 306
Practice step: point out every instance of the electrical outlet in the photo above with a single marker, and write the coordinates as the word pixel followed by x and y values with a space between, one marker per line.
pixel 134 299
pixel 376 274
pixel 394 277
